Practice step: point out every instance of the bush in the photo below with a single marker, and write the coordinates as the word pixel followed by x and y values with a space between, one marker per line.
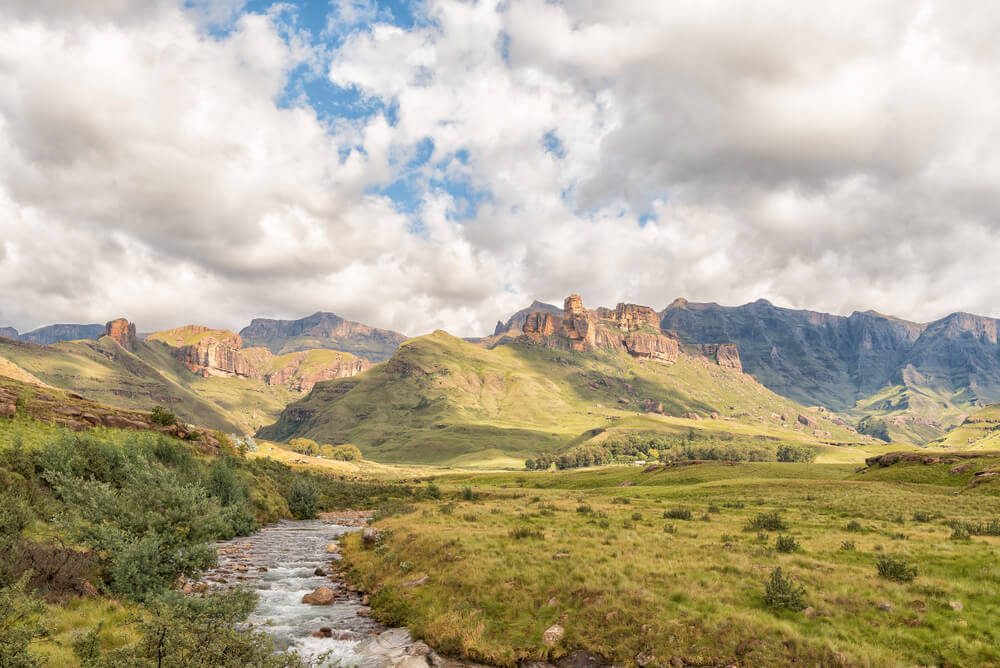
pixel 854 525
pixel 922 517
pixel 669 528
pixel 714 509
pixel 847 546
pixel 677 514
pixel 468 494
pixel 960 533
pixel 345 453
pixel 584 508
pixel 766 522
pixel 895 568
pixel 521 533
pixel 782 591
pixel 305 446
pixel 433 491
pixel 20 623
pixel 198 633
pixel 636 517
pixel 162 416
pixel 303 499
pixel 786 544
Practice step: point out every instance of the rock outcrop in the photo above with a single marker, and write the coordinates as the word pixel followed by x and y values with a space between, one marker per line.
pixel 629 327
pixel 322 330
pixel 122 332
pixel 213 352
pixel 64 332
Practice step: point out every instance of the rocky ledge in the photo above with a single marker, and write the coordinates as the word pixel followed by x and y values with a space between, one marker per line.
pixel 632 328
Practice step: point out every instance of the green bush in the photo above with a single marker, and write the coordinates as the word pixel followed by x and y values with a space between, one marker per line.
pixel 584 508
pixel 854 525
pixel 303 499
pixel 305 446
pixel 921 516
pixel 786 544
pixel 162 416
pixel 20 623
pixel 636 517
pixel 895 568
pixel 677 514
pixel 177 631
pixel 520 533
pixel 766 522
pixel 782 591
pixel 847 546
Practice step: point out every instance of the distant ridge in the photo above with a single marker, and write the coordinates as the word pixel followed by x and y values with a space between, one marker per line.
pixel 55 333
pixel 322 330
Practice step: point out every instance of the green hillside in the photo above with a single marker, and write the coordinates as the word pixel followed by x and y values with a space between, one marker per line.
pixel 104 371
pixel 979 431
pixel 442 400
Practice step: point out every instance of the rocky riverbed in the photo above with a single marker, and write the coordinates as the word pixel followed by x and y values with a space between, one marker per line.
pixel 291 561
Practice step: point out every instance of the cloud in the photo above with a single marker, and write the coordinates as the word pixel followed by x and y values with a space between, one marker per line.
pixel 154 167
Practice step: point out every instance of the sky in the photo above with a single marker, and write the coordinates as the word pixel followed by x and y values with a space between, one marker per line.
pixel 442 163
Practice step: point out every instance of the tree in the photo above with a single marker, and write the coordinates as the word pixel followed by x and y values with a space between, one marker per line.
pixel 304 446
pixel 303 499
pixel 346 452
pixel 20 623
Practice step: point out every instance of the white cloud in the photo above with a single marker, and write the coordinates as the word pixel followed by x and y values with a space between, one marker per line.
pixel 834 159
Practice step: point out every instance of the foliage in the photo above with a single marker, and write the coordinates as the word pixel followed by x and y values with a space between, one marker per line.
pixel 781 591
pixel 163 416
pixel 786 544
pixel 766 522
pixel 519 533
pixel 305 446
pixel 896 569
pixel 179 631
pixel 345 452
pixel 303 499
pixel 677 514
pixel 20 623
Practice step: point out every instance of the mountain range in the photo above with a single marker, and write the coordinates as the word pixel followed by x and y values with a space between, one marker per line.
pixel 294 377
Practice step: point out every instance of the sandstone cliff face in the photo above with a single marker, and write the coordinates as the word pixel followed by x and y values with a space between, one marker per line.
pixel 122 331
pixel 629 327
pixel 322 330
pixel 220 353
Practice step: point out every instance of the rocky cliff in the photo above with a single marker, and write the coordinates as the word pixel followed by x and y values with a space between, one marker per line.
pixel 322 330
pixel 516 321
pixel 213 352
pixel 122 332
pixel 56 333
pixel 629 327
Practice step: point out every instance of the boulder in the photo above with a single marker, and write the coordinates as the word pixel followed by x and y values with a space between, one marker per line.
pixel 321 596
pixel 553 634
pixel 808 421
pixel 369 537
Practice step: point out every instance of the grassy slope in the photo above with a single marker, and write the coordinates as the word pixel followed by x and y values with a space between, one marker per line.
pixel 628 588
pixel 105 372
pixel 189 335
pixel 359 345
pixel 980 432
pixel 441 400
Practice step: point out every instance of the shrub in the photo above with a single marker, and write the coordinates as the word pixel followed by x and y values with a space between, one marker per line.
pixel 628 524
pixel 520 533
pixel 705 518
pixel 162 416
pixel 921 516
pixel 470 517
pixel 345 453
pixel 786 544
pixel 959 533
pixel 847 546
pixel 782 591
pixel 733 504
pixel 895 568
pixel 185 631
pixel 584 508
pixel 669 527
pixel 677 514
pixel 766 522
pixel 468 494
pixel 20 623
pixel 714 508
pixel 854 526
pixel 621 499
pixel 303 499
pixel 305 446
pixel 433 491
pixel 636 517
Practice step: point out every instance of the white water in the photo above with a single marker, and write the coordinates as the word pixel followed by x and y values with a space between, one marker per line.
pixel 291 552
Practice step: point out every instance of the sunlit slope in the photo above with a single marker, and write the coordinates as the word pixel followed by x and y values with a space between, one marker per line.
pixel 441 400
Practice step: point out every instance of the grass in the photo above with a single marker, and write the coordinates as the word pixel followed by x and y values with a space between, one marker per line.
pixel 444 401
pixel 66 620
pixel 628 586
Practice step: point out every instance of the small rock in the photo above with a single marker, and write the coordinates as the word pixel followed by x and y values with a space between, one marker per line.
pixel 561 555
pixel 643 659
pixel 415 582
pixel 956 606
pixel 887 607
pixel 366 599
pixel 553 602
pixel 332 548
pixel 369 536
pixel 319 572
pixel 262 569
pixel 810 612
pixel 326 631
pixel 553 634
pixel 322 596
pixel 364 612
pixel 611 615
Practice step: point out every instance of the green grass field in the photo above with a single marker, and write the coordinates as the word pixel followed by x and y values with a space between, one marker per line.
pixel 600 559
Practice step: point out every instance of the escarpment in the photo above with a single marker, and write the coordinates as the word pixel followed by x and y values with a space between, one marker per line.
pixel 220 353
pixel 632 328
